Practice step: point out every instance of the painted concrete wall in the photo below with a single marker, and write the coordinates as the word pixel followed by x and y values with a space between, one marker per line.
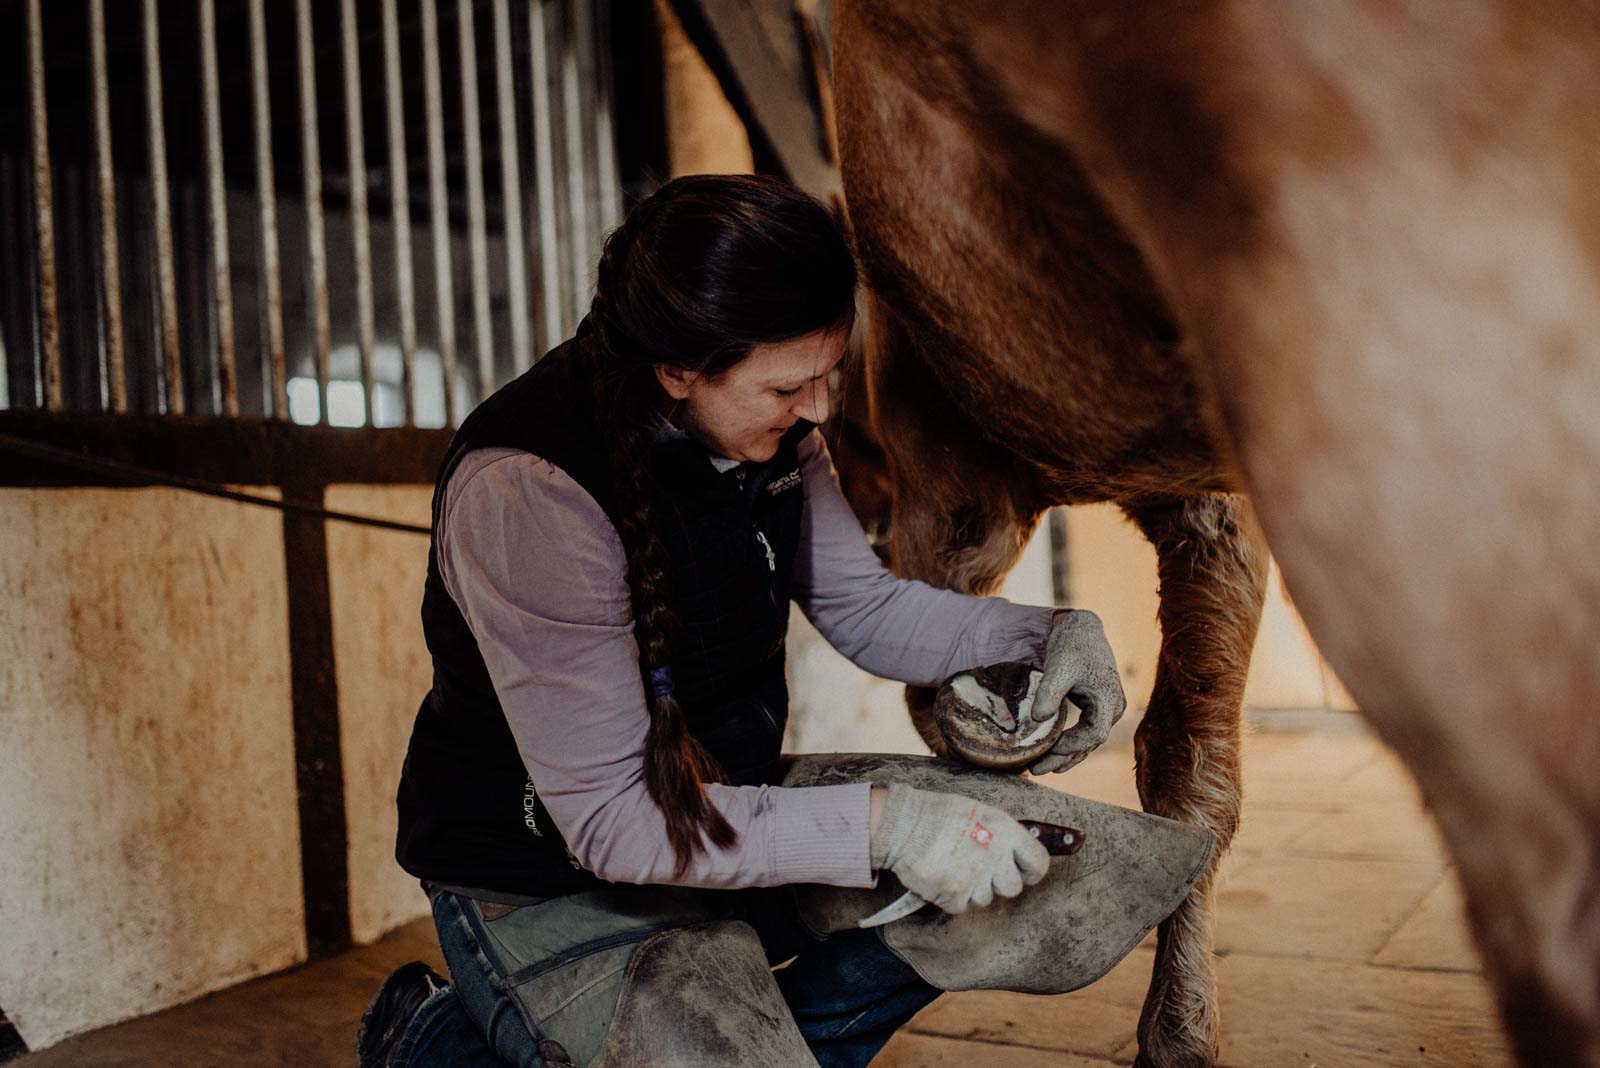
pixel 148 811
pixel 382 669
pixel 147 795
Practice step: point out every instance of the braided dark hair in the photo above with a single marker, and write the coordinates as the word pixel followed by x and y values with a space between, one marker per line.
pixel 700 271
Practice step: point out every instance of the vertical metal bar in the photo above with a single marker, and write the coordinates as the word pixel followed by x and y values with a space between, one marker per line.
pixel 588 243
pixel 217 198
pixel 356 146
pixel 8 215
pixel 266 193
pixel 572 123
pixel 544 175
pixel 610 189
pixel 400 209
pixel 511 189
pixel 477 243
pixel 110 266
pixel 44 234
pixel 5 355
pixel 166 275
pixel 14 265
pixel 316 239
pixel 583 25
pixel 439 202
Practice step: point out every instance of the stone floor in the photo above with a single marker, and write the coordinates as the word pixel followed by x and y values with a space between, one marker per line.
pixel 1340 945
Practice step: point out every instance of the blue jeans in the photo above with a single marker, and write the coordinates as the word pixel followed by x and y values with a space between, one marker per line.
pixel 848 994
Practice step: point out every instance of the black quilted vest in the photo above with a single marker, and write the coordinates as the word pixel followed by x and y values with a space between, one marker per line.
pixel 468 812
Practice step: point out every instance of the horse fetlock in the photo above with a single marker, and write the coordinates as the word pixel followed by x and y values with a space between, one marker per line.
pixel 1167 1053
pixel 1180 1024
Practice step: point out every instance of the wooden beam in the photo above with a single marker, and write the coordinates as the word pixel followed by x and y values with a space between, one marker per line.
pixel 762 56
pixel 318 752
pixel 250 452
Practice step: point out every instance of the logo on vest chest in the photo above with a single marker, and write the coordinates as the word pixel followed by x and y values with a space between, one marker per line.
pixel 784 482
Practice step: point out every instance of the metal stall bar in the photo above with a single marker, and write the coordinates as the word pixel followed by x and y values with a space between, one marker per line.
pixel 588 241
pixel 356 148
pixel 548 242
pixel 511 189
pixel 116 390
pixel 316 239
pixel 266 191
pixel 477 243
pixel 572 125
pixel 44 233
pixel 7 293
pixel 116 382
pixel 610 189
pixel 439 202
pixel 400 209
pixel 161 213
pixel 217 196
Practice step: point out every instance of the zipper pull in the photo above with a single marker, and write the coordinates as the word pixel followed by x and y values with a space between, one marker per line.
pixel 772 557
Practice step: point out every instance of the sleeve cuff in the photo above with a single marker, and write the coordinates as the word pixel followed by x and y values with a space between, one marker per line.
pixel 822 835
pixel 1016 633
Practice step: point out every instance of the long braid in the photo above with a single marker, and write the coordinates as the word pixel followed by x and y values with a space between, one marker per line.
pixel 700 272
pixel 676 765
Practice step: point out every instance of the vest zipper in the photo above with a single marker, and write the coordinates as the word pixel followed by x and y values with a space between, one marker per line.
pixel 772 719
pixel 772 563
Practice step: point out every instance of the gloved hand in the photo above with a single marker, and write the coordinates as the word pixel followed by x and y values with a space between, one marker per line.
pixel 955 851
pixel 1078 664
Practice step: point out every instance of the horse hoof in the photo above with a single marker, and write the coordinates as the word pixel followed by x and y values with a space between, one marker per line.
pixel 983 716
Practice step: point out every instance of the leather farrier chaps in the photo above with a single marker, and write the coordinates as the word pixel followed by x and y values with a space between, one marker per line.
pixel 703 995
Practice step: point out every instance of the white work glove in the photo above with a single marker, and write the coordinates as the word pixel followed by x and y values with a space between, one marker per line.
pixel 955 851
pixel 1078 664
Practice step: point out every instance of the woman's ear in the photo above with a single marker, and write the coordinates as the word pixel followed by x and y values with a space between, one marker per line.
pixel 675 380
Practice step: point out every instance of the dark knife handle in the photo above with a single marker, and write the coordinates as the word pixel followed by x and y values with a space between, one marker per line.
pixel 1058 841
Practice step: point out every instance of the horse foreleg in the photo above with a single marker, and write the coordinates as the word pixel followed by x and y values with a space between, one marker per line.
pixel 1213 568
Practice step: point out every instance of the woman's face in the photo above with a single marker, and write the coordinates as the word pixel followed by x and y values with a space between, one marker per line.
pixel 743 412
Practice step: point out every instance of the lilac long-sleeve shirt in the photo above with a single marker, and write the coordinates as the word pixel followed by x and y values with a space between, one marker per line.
pixel 540 575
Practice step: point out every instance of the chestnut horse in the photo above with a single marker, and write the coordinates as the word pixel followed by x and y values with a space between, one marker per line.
pixel 1343 257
